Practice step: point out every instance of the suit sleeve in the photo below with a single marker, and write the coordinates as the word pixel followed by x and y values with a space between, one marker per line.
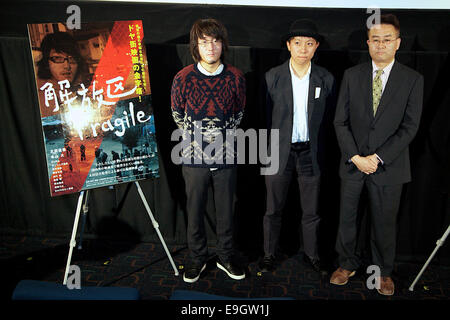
pixel 268 103
pixel 390 150
pixel 342 127
pixel 177 102
pixel 330 105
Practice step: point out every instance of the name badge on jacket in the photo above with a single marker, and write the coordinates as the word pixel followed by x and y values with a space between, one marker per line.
pixel 317 93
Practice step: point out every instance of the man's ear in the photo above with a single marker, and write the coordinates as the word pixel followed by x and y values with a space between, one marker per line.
pixel 399 42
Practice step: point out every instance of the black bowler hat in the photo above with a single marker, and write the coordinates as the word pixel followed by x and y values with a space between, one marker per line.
pixel 303 27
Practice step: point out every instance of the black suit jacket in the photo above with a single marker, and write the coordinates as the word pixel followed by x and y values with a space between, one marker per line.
pixel 389 132
pixel 280 110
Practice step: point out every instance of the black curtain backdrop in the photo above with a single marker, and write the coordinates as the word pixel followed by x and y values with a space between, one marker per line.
pixel 27 208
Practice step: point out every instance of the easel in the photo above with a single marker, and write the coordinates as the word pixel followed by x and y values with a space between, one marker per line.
pixel 85 209
pixel 439 244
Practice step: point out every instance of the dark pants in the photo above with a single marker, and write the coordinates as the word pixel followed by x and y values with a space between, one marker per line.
pixel 223 182
pixel 277 189
pixel 384 202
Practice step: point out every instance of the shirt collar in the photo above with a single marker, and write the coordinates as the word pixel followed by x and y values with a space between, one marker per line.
pixel 306 76
pixel 386 70
pixel 207 73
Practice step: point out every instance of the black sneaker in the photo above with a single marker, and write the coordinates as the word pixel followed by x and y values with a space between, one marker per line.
pixel 192 272
pixel 267 264
pixel 231 269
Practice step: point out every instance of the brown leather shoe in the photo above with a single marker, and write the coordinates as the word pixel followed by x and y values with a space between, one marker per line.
pixel 386 286
pixel 341 276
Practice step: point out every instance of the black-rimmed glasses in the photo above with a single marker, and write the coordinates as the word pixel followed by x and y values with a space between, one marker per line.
pixel 59 59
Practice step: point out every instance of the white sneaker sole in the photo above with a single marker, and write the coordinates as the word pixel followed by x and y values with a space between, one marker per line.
pixel 232 276
pixel 189 280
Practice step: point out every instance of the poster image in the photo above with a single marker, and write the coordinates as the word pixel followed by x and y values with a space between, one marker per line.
pixel 95 103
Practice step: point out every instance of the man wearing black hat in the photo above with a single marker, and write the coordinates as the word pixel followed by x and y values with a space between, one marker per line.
pixel 298 99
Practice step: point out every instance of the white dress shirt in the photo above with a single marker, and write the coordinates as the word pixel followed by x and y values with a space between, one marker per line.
pixel 300 88
pixel 207 73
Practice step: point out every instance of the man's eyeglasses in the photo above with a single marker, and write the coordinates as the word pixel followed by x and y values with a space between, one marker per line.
pixel 59 59
pixel 384 42
pixel 204 43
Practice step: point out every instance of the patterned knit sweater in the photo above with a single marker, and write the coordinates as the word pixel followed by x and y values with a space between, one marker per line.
pixel 208 109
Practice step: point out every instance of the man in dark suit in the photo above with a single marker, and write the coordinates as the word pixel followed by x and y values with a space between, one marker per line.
pixel 377 116
pixel 298 93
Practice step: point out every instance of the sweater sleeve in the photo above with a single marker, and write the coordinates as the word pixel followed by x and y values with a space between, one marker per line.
pixel 178 102
pixel 240 98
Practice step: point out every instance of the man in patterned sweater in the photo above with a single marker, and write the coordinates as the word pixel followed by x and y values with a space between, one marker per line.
pixel 208 100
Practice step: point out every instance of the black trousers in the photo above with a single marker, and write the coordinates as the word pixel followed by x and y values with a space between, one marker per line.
pixel 384 202
pixel 277 189
pixel 223 182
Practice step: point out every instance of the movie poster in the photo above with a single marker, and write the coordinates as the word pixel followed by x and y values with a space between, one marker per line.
pixel 95 103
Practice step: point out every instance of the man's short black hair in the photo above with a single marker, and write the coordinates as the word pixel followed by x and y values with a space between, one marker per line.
pixel 391 19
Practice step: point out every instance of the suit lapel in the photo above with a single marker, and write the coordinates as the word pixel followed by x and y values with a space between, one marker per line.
pixel 392 85
pixel 366 86
pixel 286 83
pixel 314 82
